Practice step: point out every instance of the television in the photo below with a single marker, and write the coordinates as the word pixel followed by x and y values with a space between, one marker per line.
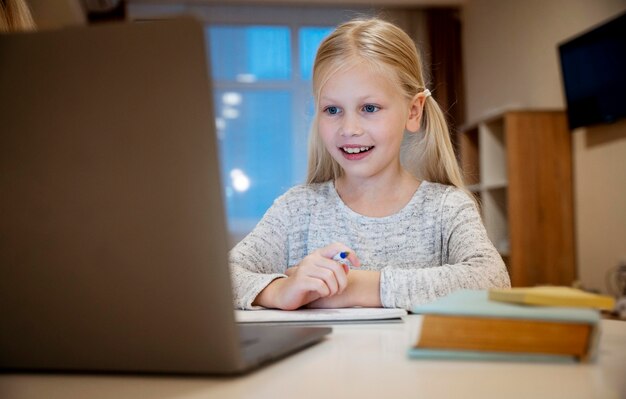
pixel 593 66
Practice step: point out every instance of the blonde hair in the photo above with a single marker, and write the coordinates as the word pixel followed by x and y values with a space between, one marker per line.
pixel 15 16
pixel 388 49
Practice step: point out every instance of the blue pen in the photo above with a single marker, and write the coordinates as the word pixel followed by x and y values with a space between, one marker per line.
pixel 342 257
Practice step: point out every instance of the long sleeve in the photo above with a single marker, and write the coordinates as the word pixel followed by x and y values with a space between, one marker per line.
pixel 260 257
pixel 436 244
pixel 468 259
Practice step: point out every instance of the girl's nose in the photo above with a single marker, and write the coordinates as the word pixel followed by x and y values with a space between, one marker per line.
pixel 351 126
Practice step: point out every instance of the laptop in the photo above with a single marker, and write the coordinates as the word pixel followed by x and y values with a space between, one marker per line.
pixel 113 240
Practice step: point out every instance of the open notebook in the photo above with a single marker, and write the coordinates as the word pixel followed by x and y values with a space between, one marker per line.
pixel 344 315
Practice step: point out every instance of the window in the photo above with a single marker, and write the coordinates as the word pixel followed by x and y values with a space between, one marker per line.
pixel 261 65
pixel 261 77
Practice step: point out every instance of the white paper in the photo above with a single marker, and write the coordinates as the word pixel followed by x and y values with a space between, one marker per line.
pixel 317 315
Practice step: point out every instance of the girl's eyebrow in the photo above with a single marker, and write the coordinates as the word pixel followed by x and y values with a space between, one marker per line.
pixel 365 98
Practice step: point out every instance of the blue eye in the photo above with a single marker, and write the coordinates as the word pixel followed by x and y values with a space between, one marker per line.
pixel 332 110
pixel 370 108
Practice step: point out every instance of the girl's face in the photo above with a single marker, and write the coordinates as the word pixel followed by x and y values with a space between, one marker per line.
pixel 362 118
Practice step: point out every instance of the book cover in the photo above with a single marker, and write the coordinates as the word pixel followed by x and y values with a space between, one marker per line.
pixel 552 296
pixel 466 325
pixel 476 303
pixel 438 354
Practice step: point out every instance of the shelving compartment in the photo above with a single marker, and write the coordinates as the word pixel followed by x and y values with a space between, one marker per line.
pixel 495 217
pixel 469 158
pixel 493 165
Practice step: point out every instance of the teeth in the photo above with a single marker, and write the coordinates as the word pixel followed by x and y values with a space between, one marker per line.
pixel 355 150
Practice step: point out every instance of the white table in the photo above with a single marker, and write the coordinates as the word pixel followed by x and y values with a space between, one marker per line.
pixel 359 361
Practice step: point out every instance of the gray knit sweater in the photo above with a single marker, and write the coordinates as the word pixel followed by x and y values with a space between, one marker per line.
pixel 435 245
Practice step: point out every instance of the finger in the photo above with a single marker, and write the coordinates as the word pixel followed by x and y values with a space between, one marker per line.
pixel 333 249
pixel 339 272
pixel 328 276
pixel 318 286
pixel 314 268
pixel 354 259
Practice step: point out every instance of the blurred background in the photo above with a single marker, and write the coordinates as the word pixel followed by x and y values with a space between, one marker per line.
pixel 493 65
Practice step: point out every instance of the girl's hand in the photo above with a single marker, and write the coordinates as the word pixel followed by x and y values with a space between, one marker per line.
pixel 363 290
pixel 316 276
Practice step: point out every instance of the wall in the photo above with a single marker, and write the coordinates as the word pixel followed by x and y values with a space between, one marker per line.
pixel 57 14
pixel 511 60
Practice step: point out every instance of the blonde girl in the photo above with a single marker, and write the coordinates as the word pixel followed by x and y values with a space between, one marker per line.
pixel 409 232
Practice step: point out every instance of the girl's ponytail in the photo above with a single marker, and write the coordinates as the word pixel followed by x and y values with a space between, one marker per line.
pixel 437 162
pixel 429 154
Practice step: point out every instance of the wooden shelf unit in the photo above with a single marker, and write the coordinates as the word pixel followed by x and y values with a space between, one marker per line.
pixel 519 166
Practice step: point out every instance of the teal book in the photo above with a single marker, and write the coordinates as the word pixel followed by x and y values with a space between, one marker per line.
pixel 466 325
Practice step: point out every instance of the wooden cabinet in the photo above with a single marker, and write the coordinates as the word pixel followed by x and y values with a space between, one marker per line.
pixel 519 165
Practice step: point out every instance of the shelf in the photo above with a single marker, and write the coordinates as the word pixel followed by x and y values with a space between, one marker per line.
pixel 469 157
pixel 474 188
pixel 492 153
pixel 495 215
pixel 518 165
pixel 505 253
pixel 495 185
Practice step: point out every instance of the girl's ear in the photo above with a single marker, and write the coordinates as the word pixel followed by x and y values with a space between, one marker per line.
pixel 416 108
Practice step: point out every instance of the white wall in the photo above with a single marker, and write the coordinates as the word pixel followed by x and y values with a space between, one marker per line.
pixel 511 60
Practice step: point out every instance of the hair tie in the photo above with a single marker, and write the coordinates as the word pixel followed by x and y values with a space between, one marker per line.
pixel 427 93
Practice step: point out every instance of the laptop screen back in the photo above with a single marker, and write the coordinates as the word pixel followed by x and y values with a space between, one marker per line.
pixel 113 246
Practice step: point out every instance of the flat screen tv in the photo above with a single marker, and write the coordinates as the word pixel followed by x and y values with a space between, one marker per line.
pixel 593 67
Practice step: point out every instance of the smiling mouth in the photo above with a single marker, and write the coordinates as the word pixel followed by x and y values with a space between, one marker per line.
pixel 356 150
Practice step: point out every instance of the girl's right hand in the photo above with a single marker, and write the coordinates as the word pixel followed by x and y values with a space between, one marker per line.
pixel 316 276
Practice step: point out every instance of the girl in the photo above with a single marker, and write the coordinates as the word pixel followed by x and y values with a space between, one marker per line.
pixel 410 238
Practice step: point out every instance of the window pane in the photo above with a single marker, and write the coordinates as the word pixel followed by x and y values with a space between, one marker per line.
pixel 250 53
pixel 254 131
pixel 310 39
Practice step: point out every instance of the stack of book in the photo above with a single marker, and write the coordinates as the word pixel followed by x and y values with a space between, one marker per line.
pixel 554 324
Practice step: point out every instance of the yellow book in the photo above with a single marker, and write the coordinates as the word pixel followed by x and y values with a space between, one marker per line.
pixel 552 296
